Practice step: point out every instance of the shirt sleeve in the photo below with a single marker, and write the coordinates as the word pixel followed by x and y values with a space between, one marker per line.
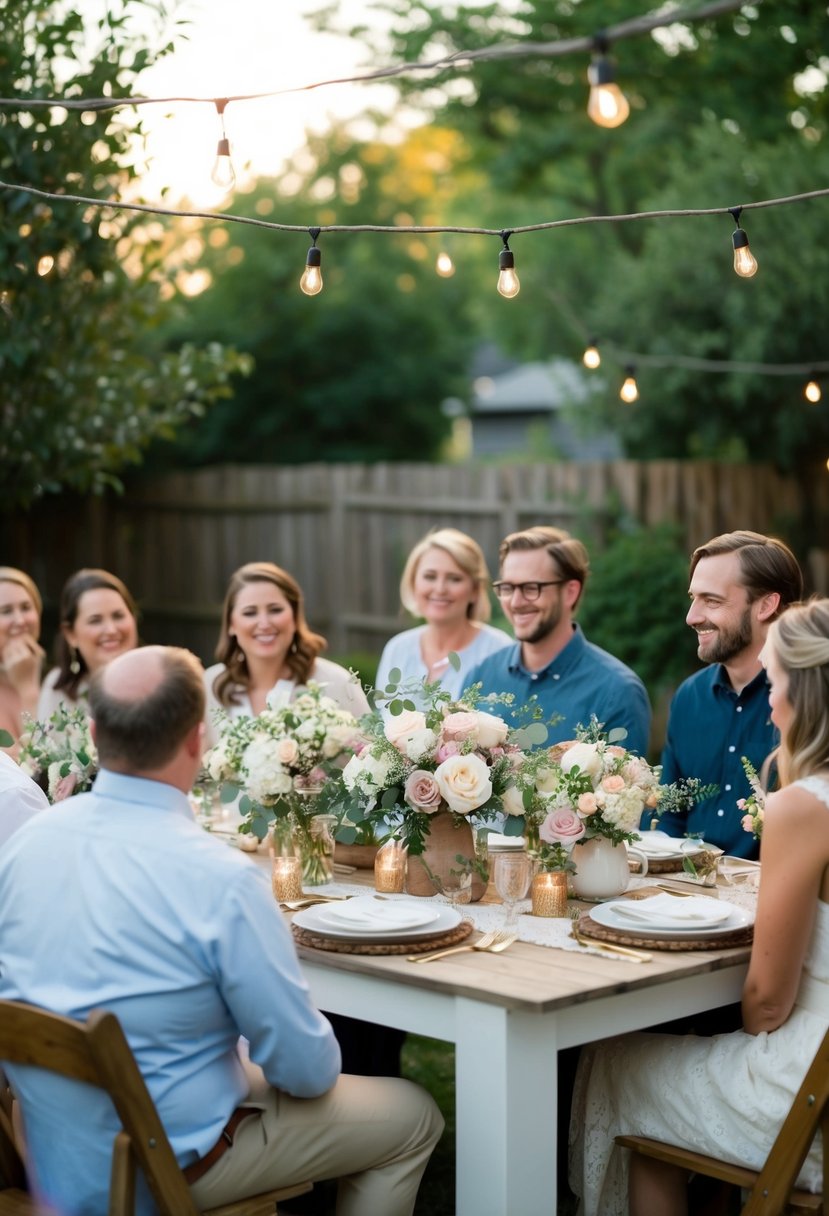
pixel 672 822
pixel 633 712
pixel 266 993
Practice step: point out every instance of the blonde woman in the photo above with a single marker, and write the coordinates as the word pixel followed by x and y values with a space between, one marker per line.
pixel 266 649
pixel 727 1096
pixel 445 582
pixel 21 656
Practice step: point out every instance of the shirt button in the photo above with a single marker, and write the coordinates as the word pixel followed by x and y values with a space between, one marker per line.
pixel 739 709
pixel 556 677
pixel 732 749
pixel 721 812
pixel 534 676
pixel 728 787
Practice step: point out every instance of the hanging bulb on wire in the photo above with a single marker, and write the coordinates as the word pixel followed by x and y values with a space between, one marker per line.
pixel 508 284
pixel 444 265
pixel 223 175
pixel 629 391
pixel 812 391
pixel 311 281
pixel 745 263
pixel 607 104
pixel 591 357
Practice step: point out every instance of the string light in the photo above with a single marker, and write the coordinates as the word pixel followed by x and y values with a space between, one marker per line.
pixel 629 391
pixel 745 263
pixel 223 175
pixel 591 357
pixel 508 284
pixel 812 391
pixel 607 104
pixel 311 281
pixel 444 265
pixel 45 264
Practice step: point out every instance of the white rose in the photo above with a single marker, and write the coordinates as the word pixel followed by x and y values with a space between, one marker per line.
pixel 492 731
pixel 464 783
pixel 421 743
pixel 546 781
pixel 586 756
pixel 399 729
pixel 286 750
pixel 512 800
pixel 337 740
pixel 624 810
pixel 352 772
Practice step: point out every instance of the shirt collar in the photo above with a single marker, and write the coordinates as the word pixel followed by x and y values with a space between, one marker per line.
pixel 721 680
pixel 155 794
pixel 564 661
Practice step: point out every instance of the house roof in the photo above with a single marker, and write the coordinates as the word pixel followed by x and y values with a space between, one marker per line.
pixel 536 387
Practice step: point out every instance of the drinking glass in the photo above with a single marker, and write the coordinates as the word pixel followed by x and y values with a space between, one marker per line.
pixel 512 875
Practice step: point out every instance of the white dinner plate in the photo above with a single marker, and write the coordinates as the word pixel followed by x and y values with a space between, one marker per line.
pixel 368 913
pixel 313 919
pixel 609 916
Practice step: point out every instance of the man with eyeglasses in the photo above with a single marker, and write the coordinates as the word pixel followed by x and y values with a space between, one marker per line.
pixel 542 575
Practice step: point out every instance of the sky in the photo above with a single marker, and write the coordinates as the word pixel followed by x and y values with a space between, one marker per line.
pixel 248 46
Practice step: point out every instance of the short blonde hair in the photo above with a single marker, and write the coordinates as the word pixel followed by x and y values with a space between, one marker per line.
pixel 468 555
pixel 10 574
pixel 800 641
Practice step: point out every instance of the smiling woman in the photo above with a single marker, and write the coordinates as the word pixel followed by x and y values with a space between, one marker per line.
pixel 98 620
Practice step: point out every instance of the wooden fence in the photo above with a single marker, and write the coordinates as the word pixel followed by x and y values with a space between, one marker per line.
pixel 345 530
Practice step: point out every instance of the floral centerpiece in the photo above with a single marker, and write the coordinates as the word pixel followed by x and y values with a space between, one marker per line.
pixel 59 753
pixel 753 807
pixel 277 764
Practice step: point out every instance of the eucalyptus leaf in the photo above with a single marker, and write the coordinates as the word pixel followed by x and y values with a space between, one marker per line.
pixel 229 792
pixel 6 739
pixel 454 660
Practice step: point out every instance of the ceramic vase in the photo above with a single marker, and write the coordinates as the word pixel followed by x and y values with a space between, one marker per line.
pixel 602 870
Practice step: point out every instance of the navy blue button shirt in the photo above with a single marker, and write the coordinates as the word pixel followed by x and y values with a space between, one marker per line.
pixel 582 680
pixel 710 728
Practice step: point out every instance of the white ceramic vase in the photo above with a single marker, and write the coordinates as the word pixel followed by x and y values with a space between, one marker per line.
pixel 602 870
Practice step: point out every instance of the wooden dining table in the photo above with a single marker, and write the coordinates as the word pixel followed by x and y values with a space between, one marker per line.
pixel 508 1015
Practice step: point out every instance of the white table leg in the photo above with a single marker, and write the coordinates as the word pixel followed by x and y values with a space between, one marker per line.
pixel 506 1094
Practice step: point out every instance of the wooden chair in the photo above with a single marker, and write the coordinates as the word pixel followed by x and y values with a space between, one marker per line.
pixel 98 1053
pixel 771 1190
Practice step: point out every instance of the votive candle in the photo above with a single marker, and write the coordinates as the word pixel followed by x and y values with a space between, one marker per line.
pixel 548 893
pixel 286 878
pixel 390 869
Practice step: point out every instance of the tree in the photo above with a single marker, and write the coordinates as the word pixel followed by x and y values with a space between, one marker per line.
pixel 358 372
pixel 84 389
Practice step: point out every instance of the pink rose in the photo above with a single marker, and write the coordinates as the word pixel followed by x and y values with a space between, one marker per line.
pixel 613 785
pixel 587 804
pixel 446 750
pixel 460 726
pixel 422 791
pixel 287 750
pixel 562 826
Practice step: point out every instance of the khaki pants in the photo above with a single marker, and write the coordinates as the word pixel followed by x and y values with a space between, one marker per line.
pixel 375 1134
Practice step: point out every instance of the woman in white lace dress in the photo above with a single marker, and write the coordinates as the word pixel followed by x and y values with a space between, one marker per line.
pixel 727 1096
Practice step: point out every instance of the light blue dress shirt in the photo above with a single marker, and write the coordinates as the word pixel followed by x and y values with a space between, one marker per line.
pixel 119 900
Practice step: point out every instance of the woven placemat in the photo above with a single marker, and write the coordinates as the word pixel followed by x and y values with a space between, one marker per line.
pixel 665 865
pixel 591 928
pixel 454 937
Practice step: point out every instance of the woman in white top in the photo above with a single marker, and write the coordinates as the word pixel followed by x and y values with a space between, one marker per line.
pixel 727 1096
pixel 98 621
pixel 445 582
pixel 265 646
pixel 21 656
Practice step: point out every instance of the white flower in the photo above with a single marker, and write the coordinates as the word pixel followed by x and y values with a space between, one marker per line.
pixel 624 809
pixel 546 780
pixel 464 783
pixel 287 750
pixel 421 744
pixel 588 758
pixel 512 800
pixel 399 730
pixel 337 740
pixel 217 762
pixel 492 731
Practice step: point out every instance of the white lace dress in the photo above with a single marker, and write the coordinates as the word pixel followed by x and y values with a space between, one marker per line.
pixel 724 1096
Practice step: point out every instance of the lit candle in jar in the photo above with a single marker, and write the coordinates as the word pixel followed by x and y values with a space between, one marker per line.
pixel 286 878
pixel 390 868
pixel 548 893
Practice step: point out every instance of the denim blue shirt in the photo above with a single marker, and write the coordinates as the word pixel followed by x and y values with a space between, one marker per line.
pixel 710 728
pixel 119 900
pixel 582 680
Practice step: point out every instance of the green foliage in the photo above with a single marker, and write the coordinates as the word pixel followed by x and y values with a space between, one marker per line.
pixel 359 371
pixel 635 605
pixel 83 388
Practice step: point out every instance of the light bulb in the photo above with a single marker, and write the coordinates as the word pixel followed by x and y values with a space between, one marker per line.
pixel 629 391
pixel 444 265
pixel 223 175
pixel 607 105
pixel 591 357
pixel 311 281
pixel 45 264
pixel 812 392
pixel 745 263
pixel 508 284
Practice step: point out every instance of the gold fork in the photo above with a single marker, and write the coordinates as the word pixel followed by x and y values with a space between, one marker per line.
pixel 637 956
pixel 491 942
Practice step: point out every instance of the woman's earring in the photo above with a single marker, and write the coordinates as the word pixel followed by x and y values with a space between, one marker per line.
pixel 293 646
pixel 75 665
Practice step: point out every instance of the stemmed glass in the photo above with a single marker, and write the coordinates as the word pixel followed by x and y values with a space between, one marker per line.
pixel 512 875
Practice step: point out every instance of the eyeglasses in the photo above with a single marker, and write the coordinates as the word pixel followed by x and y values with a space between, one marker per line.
pixel 529 591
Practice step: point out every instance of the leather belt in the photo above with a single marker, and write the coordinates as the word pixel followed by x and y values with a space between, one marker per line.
pixel 194 1172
